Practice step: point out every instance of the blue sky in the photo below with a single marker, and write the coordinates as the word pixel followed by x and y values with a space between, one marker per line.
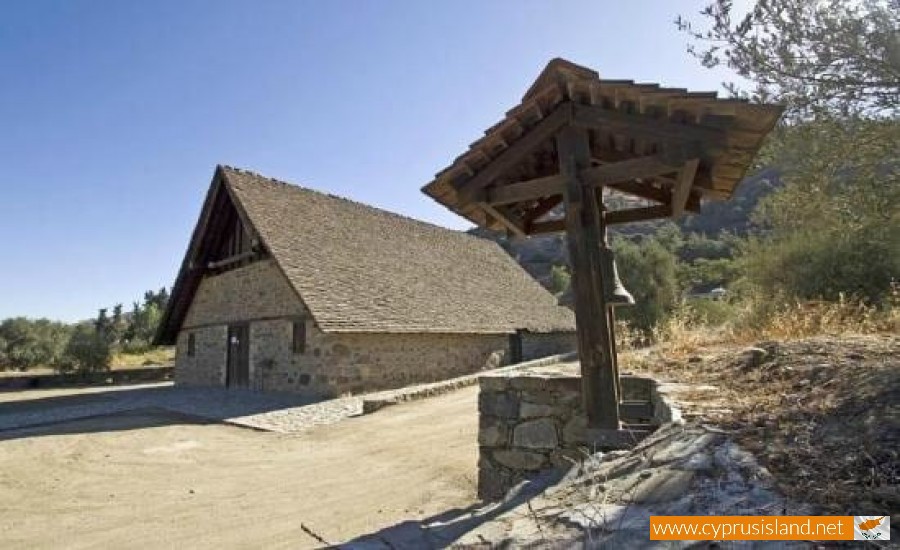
pixel 113 114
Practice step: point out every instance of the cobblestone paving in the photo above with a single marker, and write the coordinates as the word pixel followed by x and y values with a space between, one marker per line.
pixel 266 411
pixel 275 412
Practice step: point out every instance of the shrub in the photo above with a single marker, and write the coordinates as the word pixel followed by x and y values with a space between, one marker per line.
pixel 560 279
pixel 87 351
pixel 647 270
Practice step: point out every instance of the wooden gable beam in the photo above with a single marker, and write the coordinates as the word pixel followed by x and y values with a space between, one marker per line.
pixel 541 132
pixel 592 116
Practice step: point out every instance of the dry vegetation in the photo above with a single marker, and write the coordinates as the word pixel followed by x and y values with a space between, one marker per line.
pixel 813 392
pixel 153 356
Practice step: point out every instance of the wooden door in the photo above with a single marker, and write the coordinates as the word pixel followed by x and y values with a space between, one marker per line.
pixel 515 347
pixel 238 371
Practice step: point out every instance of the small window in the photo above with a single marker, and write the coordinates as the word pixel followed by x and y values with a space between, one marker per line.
pixel 299 342
pixel 190 350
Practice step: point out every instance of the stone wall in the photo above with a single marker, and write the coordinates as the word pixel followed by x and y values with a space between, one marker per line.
pixel 254 291
pixel 332 364
pixel 207 366
pixel 531 421
pixel 536 344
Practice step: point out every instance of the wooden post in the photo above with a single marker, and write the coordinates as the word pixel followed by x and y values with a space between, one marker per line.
pixel 583 223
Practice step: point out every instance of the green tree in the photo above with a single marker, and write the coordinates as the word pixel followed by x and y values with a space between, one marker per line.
pixel 88 350
pixel 669 236
pixel 705 274
pixel 647 270
pixel 27 343
pixel 560 279
pixel 833 228
pixel 817 56
pixel 836 227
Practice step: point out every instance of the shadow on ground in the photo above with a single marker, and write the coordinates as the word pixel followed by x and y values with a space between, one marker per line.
pixel 442 530
pixel 18 416
pixel 136 419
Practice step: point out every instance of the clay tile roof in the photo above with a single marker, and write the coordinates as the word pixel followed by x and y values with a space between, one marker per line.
pixel 741 125
pixel 362 269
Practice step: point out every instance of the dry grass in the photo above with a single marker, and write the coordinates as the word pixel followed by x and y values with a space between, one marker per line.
pixel 818 407
pixel 685 333
pixel 154 356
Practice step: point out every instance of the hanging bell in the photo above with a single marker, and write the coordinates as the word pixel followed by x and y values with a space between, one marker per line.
pixel 615 293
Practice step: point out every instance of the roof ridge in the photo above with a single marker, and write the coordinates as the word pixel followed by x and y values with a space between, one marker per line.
pixel 356 203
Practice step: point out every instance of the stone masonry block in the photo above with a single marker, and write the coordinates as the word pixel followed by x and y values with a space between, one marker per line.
pixel 521 460
pixel 536 434
pixel 498 404
pixel 535 410
pixel 493 383
pixel 495 435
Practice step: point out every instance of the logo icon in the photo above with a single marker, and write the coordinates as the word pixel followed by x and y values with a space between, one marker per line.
pixel 871 527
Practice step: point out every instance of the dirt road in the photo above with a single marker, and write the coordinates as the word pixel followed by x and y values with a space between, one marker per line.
pixel 152 480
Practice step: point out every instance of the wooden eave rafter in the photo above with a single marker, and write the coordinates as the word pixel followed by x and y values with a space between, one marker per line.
pixel 643 134
pixel 541 132
pixel 596 117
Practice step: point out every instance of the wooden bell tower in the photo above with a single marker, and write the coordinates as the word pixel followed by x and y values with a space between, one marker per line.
pixel 575 134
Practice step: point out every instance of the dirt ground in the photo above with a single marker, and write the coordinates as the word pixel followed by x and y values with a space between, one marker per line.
pixel 151 479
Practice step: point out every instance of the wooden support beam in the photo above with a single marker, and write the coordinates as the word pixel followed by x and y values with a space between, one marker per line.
pixel 682 189
pixel 618 175
pixel 523 191
pixel 630 215
pixel 649 192
pixel 231 260
pixel 612 217
pixel 583 223
pixel 543 206
pixel 541 132
pixel 549 226
pixel 592 116
pixel 627 170
pixel 504 217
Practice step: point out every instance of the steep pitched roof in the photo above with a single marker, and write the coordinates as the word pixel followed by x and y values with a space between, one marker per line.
pixel 362 269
